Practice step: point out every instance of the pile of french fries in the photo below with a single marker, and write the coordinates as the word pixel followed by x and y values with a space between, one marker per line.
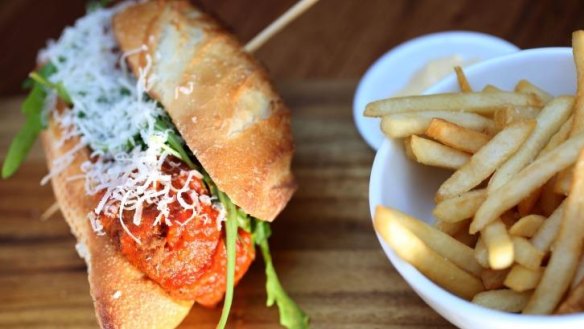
pixel 510 220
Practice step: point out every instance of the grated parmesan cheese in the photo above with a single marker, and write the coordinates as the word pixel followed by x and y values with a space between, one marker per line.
pixel 112 115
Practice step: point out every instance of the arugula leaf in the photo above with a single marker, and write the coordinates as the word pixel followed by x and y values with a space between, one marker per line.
pixel 175 142
pixel 230 245
pixel 291 315
pixel 58 87
pixel 32 108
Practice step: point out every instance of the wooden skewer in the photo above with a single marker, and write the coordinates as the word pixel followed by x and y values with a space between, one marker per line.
pixel 278 24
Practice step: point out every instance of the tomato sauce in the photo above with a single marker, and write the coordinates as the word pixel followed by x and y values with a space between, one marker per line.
pixel 185 255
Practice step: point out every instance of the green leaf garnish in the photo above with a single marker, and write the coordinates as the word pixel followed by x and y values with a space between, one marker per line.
pixel 291 315
pixel 58 87
pixel 175 142
pixel 230 245
pixel 32 108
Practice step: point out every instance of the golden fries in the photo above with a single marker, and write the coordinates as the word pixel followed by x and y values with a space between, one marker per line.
pixel 499 245
pixel 468 102
pixel 512 214
pixel 502 300
pixel 560 136
pixel 527 226
pixel 526 181
pixel 483 163
pixel 526 254
pixel 548 231
pixel 443 244
pixel 506 116
pixel 574 302
pixel 521 278
pixel 436 267
pixel 567 249
pixel 406 124
pixel 578 49
pixel 435 154
pixel 461 207
pixel 455 136
pixel 462 80
pixel 491 89
pixel 526 87
pixel 550 119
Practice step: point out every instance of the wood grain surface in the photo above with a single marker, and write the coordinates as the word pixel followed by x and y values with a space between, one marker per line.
pixel 335 39
pixel 323 245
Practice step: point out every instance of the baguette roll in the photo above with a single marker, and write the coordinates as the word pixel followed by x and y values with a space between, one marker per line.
pixel 219 98
pixel 123 297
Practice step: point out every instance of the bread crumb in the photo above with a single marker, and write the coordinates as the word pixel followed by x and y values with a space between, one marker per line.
pixel 117 294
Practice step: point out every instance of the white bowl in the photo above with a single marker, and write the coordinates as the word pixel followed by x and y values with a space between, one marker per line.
pixel 392 71
pixel 402 184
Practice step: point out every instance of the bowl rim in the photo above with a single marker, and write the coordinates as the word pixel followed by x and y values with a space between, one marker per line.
pixel 408 272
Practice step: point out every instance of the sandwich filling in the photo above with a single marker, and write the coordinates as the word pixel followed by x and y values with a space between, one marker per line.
pixel 153 200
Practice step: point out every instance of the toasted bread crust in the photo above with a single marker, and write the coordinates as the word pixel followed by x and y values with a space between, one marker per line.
pixel 219 98
pixel 123 297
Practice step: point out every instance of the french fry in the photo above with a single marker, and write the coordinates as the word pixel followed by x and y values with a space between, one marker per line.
pixel 499 245
pixel 566 253
pixel 526 206
pixel 491 89
pixel 503 300
pixel 455 136
pixel 460 207
pixel 436 267
pixel 579 274
pixel 483 163
pixel 550 119
pixel 446 246
pixel 526 87
pixel 564 181
pixel 468 102
pixel 506 116
pixel 548 231
pixel 574 302
pixel 494 279
pixel 521 278
pixel 560 136
pixel 481 253
pixel 578 50
pixel 406 124
pixel 526 181
pixel 526 254
pixel 565 177
pixel 527 226
pixel 408 148
pixel 435 154
pixel 462 80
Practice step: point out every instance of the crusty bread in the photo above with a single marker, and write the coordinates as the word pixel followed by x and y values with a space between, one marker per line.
pixel 219 98
pixel 123 297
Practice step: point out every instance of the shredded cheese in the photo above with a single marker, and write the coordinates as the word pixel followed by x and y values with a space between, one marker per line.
pixel 112 115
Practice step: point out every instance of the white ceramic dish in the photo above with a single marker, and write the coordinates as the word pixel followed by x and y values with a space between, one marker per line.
pixel 400 183
pixel 391 72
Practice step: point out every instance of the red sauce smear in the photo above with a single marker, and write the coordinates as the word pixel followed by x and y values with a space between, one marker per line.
pixel 188 261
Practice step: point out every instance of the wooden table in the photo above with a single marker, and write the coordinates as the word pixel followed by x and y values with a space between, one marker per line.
pixel 323 244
